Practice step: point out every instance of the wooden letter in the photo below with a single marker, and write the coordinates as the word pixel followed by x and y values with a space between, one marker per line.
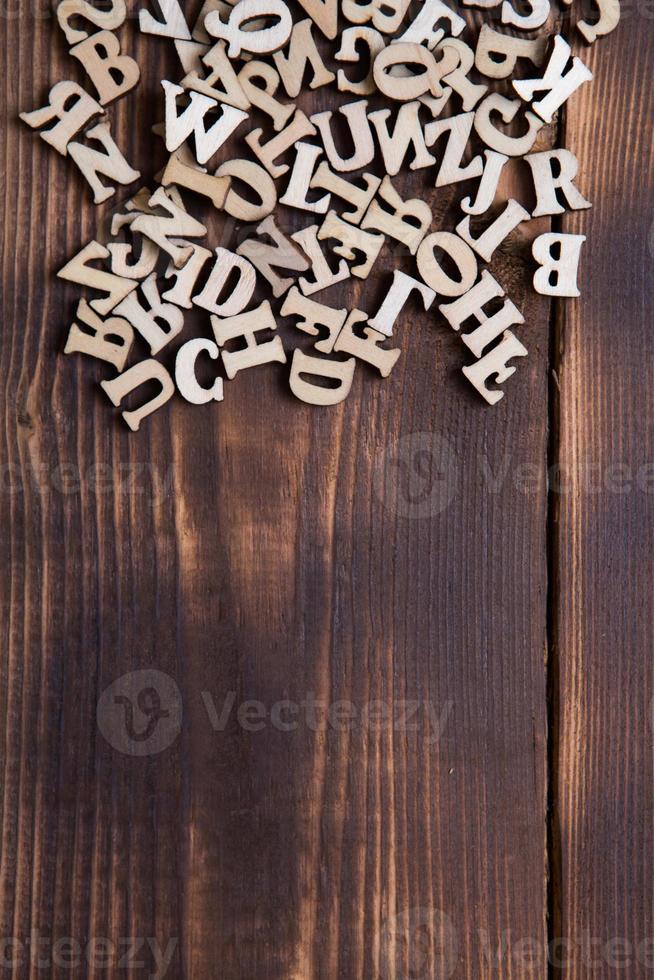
pixel 186 378
pixel 423 28
pixel 241 293
pixel 351 240
pixel 222 72
pixel 120 253
pixel 283 254
pixel 406 131
pixel 540 11
pixel 360 135
pixel 262 96
pixel 341 372
pixel 495 139
pixel 348 52
pixel 324 14
pixel 323 276
pixel 71 119
pixel 268 152
pixel 258 180
pixel 79 271
pixel 563 269
pixel 107 19
pixel 490 44
pixel 262 41
pixel 431 270
pixel 247 326
pixel 513 215
pixel 314 315
pixel 193 179
pixel 186 277
pixel 407 224
pixel 546 184
pixel 459 128
pixel 405 87
pixel 386 15
pixel 177 223
pixel 111 163
pixel 191 121
pixel 173 23
pixel 132 379
pixel 365 345
pixel 488 184
pixel 609 19
pixel 558 83
pixel 458 80
pixel 495 363
pixel 100 55
pixel 302 51
pixel 109 340
pixel 295 195
pixel 147 321
pixel 395 299
pixel 472 306
pixel 347 190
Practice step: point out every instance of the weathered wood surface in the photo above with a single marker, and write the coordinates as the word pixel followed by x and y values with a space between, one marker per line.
pixel 603 831
pixel 392 550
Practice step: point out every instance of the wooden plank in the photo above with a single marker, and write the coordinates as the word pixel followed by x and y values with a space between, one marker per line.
pixel 603 609
pixel 387 550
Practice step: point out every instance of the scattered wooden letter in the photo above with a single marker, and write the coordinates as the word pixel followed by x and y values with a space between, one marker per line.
pixel 493 236
pixel 245 327
pixel 176 222
pixel 360 135
pixel 107 20
pixel 133 378
pixel 71 118
pixel 546 184
pixel 284 253
pixel 340 373
pixel 111 163
pixel 108 340
pixel 79 271
pixel 494 364
pixel 350 241
pixel 562 269
pixel 471 306
pixel 186 377
pixel 365 344
pixel 323 275
pixel 260 183
pixel 405 221
pixel 312 316
pixel 431 270
pixel 148 320
pixel 401 287
pixel 241 292
pixel 263 41
pixel 557 82
pixel 268 152
pixel 100 55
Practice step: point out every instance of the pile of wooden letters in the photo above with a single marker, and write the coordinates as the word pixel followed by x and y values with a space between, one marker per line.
pixel 252 60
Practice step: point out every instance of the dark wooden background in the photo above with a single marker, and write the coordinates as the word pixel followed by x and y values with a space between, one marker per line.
pixel 401 547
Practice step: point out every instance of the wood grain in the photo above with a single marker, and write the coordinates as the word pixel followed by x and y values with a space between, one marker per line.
pixel 392 549
pixel 603 831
